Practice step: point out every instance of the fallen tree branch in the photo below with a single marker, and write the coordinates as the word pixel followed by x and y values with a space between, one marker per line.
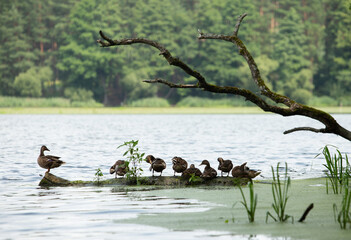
pixel 291 108
pixel 304 215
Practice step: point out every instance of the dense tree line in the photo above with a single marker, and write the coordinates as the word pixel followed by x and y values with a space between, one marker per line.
pixel 303 48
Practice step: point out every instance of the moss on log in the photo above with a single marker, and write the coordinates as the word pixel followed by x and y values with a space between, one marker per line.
pixel 50 180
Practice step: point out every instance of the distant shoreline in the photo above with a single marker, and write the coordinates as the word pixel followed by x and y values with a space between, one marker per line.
pixel 144 110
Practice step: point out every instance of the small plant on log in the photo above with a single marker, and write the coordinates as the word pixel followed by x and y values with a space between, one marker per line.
pixel 250 209
pixel 134 160
pixel 280 190
pixel 98 176
pixel 193 179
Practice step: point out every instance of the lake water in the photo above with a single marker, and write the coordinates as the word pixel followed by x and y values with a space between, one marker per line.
pixel 88 142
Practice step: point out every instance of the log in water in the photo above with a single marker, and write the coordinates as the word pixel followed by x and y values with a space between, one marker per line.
pixel 50 180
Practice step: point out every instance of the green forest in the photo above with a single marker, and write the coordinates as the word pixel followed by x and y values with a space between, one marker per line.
pixel 49 49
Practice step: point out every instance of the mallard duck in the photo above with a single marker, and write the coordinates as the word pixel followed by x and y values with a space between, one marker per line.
pixel 48 161
pixel 120 168
pixel 157 164
pixel 209 172
pixel 224 166
pixel 191 170
pixel 243 171
pixel 179 165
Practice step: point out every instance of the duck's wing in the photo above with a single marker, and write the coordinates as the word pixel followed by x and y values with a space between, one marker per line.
pixel 53 158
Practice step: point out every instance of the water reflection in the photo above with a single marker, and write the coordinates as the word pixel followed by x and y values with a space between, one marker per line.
pixel 88 142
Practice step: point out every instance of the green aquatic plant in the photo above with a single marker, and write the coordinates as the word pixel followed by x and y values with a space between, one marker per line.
pixel 98 176
pixel 250 209
pixel 193 179
pixel 338 169
pixel 280 190
pixel 134 160
pixel 343 217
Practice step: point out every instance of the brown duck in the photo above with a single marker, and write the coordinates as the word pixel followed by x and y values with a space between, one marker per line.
pixel 157 164
pixel 208 172
pixel 243 171
pixel 179 165
pixel 48 161
pixel 191 170
pixel 119 168
pixel 224 166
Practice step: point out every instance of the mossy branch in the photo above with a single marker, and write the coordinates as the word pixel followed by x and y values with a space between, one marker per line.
pixel 291 108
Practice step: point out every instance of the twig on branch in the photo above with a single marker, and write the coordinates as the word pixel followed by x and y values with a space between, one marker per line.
pixel 170 84
pixel 291 107
pixel 238 22
pixel 322 130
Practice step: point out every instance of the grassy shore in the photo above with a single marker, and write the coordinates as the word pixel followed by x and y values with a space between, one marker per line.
pixel 166 110
pixel 227 220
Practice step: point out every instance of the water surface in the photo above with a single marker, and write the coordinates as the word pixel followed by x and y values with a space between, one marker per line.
pixel 88 142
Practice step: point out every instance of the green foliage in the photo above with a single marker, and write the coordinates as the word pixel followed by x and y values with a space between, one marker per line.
pixel 149 102
pixel 44 102
pixel 78 94
pixel 301 95
pixel 322 101
pixel 194 179
pixel 300 49
pixel 280 190
pixel 98 176
pixel 250 209
pixel 206 102
pixel 338 170
pixel 134 160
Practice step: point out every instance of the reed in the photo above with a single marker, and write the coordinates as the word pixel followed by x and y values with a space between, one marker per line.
pixel 338 170
pixel 250 208
pixel 280 190
pixel 343 217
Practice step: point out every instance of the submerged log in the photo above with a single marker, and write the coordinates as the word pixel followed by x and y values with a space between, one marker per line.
pixel 50 180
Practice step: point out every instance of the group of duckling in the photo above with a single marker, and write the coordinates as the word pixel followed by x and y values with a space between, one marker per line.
pixel 181 166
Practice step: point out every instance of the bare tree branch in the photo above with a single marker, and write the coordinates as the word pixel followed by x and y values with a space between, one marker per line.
pixel 321 130
pixel 238 22
pixel 291 107
pixel 170 84
pixel 163 51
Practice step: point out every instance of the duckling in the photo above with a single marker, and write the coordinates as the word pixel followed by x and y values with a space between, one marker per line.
pixel 243 171
pixel 179 165
pixel 120 168
pixel 191 170
pixel 209 172
pixel 157 164
pixel 48 161
pixel 224 166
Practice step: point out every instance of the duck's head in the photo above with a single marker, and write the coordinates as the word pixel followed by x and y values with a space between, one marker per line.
pixel 150 158
pixel 205 162
pixel 44 148
pixel 220 160
pixel 192 166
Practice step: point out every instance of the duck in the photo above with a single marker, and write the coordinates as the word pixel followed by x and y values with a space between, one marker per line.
pixel 208 172
pixel 191 170
pixel 224 166
pixel 48 161
pixel 243 171
pixel 120 168
pixel 157 164
pixel 179 165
